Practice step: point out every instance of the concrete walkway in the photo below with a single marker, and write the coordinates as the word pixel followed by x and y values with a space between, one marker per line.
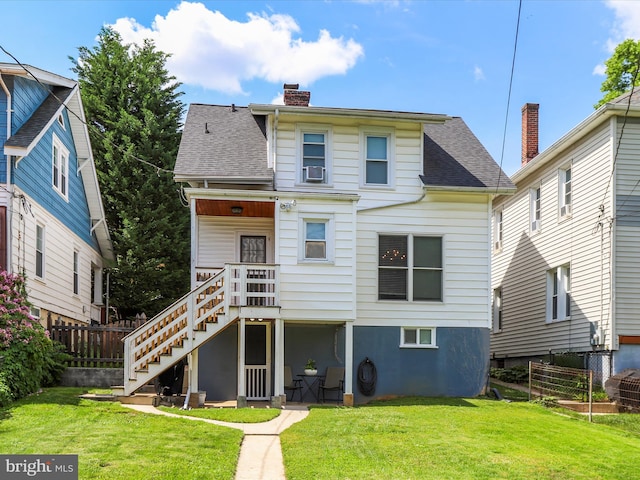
pixel 260 452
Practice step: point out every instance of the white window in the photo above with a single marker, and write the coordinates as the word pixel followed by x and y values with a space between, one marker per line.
pixel 60 167
pixel 35 312
pixel 316 238
pixel 76 272
pixel 40 251
pixel 559 293
pixel 314 148
pixel 410 268
pixel 418 337
pixel 61 121
pixel 497 310
pixel 565 192
pixel 497 230
pixel 534 202
pixel 376 160
pixel 377 152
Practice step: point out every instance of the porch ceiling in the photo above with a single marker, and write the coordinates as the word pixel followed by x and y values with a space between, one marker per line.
pixel 227 208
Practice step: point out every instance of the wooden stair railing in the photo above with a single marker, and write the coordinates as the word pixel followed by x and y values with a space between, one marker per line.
pixel 176 331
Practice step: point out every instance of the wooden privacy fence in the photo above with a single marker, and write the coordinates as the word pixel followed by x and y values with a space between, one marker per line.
pixel 93 345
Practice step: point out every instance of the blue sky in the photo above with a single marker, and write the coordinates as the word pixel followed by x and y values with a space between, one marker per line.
pixel 452 57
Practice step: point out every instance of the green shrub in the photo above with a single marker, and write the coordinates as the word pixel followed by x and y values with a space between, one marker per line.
pixel 30 360
pixel 547 402
pixel 517 374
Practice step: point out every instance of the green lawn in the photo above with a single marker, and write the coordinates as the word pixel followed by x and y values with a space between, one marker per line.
pixel 114 442
pixel 419 438
pixel 239 415
pixel 412 438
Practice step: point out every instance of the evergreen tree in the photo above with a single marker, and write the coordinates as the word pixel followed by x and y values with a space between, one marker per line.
pixel 134 115
pixel 622 71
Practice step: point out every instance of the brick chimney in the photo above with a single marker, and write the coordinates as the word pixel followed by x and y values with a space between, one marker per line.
pixel 529 132
pixel 295 97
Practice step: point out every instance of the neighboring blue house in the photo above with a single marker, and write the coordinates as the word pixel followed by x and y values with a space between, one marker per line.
pixel 52 224
pixel 334 234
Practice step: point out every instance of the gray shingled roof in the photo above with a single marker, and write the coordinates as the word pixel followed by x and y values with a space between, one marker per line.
pixel 454 157
pixel 40 118
pixel 624 98
pixel 234 147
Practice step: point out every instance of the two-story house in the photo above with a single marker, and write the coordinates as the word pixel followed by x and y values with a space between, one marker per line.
pixel 565 246
pixel 52 224
pixel 334 234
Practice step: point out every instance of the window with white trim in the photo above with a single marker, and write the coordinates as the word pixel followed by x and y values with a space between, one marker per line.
pixel 497 230
pixel 39 257
pixel 314 156
pixel 76 272
pixel 60 167
pixel 316 238
pixel 534 208
pixel 565 192
pixel 418 337
pixel 559 293
pixel 410 268
pixel 376 160
pixel 497 310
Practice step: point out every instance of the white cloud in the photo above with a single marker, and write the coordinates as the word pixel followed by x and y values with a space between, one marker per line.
pixel 627 23
pixel 600 70
pixel 209 50
pixel 478 74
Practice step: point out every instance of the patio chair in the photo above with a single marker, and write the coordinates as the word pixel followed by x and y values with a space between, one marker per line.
pixel 290 383
pixel 333 381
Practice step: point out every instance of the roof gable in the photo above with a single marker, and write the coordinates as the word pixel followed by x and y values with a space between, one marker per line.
pixel 222 143
pixel 455 158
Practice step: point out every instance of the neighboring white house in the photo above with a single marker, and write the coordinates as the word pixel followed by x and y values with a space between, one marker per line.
pixel 52 225
pixel 334 234
pixel 566 250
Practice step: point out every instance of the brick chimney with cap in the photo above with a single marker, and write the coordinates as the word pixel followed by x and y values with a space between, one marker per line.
pixel 295 97
pixel 529 132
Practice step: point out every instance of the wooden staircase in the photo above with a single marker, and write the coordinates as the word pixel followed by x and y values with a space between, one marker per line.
pixel 238 289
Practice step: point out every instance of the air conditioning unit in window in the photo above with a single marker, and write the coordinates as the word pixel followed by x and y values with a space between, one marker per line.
pixel 565 210
pixel 314 174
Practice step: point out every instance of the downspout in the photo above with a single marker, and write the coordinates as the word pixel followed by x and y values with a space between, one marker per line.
pixel 9 217
pixel 410 202
pixel 275 146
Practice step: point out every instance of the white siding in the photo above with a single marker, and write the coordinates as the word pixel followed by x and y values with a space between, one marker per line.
pixel 464 228
pixel 318 290
pixel 520 268
pixel 345 161
pixel 627 234
pixel 219 237
pixel 53 293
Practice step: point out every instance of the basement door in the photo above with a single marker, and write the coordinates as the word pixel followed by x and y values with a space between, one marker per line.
pixel 257 359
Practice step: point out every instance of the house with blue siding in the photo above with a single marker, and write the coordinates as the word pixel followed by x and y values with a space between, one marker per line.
pixel 52 223
pixel 356 238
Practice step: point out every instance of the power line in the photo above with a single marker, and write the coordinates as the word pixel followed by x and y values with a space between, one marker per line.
pixel 506 119
pixel 619 140
pixel 88 125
